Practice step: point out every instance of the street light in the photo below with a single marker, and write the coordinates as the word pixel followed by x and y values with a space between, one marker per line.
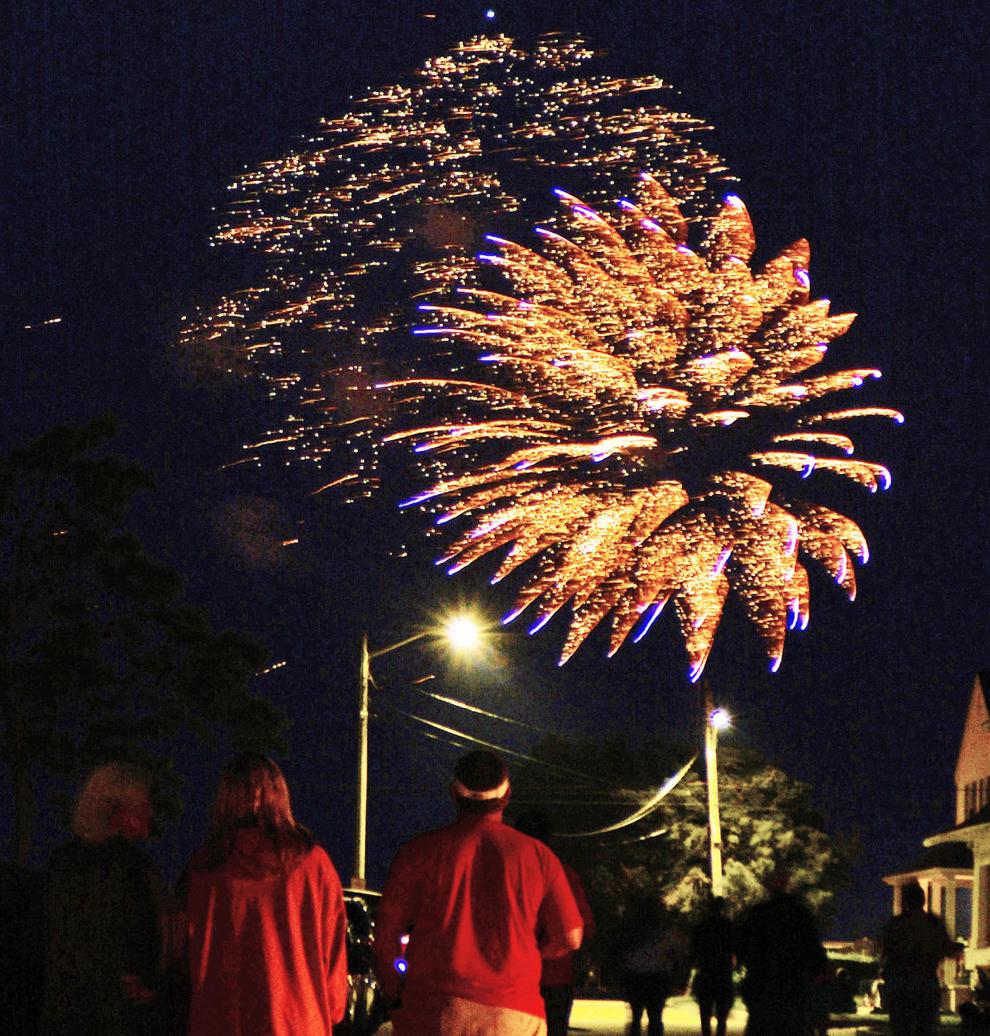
pixel 463 633
pixel 715 721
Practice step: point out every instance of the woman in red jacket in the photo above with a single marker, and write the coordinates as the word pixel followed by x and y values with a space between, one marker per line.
pixel 266 922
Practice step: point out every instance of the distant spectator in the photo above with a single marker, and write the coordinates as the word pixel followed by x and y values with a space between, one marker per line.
pixel 840 993
pixel 557 976
pixel 106 902
pixel 975 1013
pixel 832 995
pixel 779 946
pixel 712 943
pixel 653 956
pixel 265 913
pixel 913 946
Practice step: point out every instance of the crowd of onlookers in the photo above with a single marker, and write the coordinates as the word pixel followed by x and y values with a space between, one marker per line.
pixel 475 935
pixel 253 940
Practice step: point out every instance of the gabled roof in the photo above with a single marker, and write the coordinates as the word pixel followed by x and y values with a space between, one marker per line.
pixel 982 682
pixel 973 761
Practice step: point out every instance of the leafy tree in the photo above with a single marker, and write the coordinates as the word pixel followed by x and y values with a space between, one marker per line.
pixel 766 816
pixel 99 657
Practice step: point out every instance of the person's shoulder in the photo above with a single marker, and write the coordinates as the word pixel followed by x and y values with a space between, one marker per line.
pixel 893 926
pixel 527 843
pixel 136 855
pixel 546 859
pixel 67 852
pixel 754 913
pixel 420 850
pixel 436 836
pixel 78 852
pixel 570 873
pixel 317 859
pixel 936 923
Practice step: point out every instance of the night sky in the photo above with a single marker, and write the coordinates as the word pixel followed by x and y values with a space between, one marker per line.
pixel 859 126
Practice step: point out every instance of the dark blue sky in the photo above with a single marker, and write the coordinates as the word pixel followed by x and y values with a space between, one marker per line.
pixel 860 127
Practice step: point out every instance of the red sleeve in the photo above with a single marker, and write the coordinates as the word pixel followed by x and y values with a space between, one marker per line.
pixel 577 887
pixel 559 913
pixel 395 915
pixel 336 942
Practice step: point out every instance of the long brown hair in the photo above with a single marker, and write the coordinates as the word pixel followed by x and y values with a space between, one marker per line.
pixel 253 793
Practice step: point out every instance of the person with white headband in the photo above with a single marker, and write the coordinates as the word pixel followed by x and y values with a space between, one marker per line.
pixel 481 904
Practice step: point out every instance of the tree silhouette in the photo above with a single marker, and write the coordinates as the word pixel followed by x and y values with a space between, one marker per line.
pixel 767 817
pixel 99 657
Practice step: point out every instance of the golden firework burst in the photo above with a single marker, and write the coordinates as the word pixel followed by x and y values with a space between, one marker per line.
pixel 648 405
pixel 389 199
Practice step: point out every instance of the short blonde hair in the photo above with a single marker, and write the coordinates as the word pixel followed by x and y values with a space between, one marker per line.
pixel 107 789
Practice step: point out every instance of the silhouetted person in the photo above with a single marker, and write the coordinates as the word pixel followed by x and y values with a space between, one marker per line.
pixel 267 931
pixel 106 901
pixel 975 1013
pixel 652 955
pixel 832 994
pixel 913 945
pixel 712 944
pixel 475 898
pixel 779 945
pixel 841 999
pixel 557 977
pixel 22 948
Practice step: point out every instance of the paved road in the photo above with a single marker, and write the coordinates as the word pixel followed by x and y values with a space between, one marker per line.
pixel 611 1017
pixel 680 1018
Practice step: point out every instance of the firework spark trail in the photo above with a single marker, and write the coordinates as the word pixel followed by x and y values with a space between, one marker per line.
pixel 390 200
pixel 628 420
pixel 633 358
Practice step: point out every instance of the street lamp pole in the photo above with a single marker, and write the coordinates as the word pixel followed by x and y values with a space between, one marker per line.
pixel 711 778
pixel 361 801
pixel 358 878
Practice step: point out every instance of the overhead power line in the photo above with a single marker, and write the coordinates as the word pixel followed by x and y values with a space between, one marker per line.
pixel 447 700
pixel 453 732
pixel 659 832
pixel 648 807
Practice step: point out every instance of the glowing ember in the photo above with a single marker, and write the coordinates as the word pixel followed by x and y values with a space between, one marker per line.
pixel 390 200
pixel 630 382
pixel 627 418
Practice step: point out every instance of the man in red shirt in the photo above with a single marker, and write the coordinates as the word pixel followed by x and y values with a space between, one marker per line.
pixel 471 897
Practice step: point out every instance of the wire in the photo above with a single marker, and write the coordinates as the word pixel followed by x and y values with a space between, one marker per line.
pixel 632 841
pixel 498 748
pixel 643 810
pixel 483 712
pixel 648 807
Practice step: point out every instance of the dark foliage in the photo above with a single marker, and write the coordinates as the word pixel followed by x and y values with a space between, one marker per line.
pixel 99 656
pixel 767 817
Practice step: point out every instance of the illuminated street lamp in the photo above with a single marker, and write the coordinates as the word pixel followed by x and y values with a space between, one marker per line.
pixel 462 633
pixel 715 720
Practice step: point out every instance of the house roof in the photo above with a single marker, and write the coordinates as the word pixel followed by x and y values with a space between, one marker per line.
pixel 968 831
pixel 983 679
pixel 943 856
pixel 973 760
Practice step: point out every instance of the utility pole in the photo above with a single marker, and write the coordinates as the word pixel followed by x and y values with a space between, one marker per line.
pixel 358 880
pixel 711 779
